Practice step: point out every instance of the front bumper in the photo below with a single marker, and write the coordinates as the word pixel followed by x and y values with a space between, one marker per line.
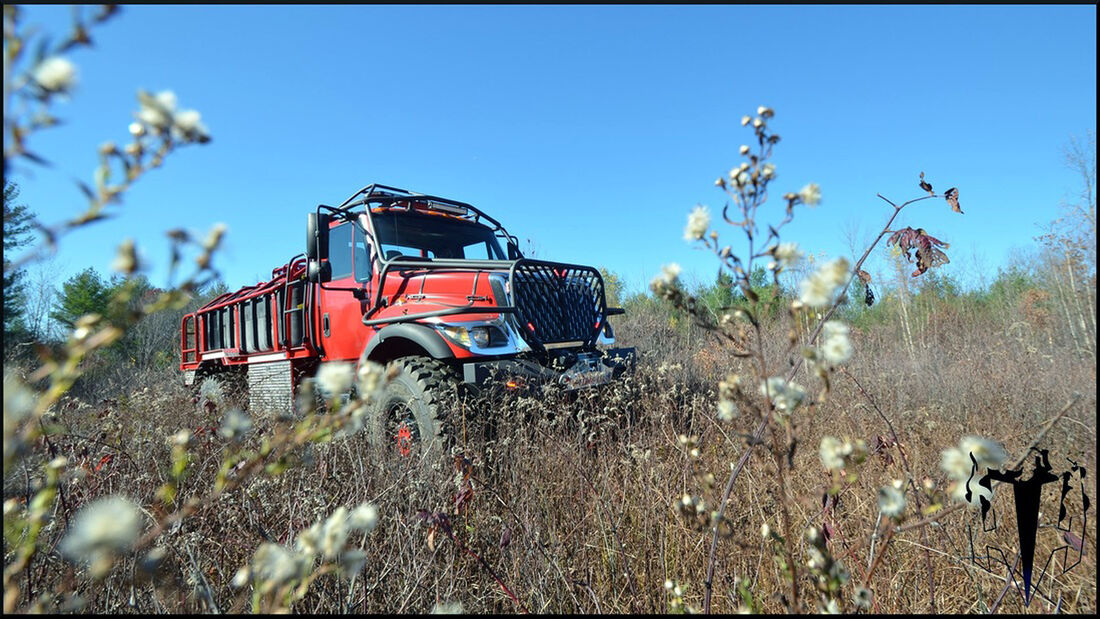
pixel 584 370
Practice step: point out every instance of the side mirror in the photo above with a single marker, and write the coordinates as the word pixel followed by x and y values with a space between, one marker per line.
pixel 317 237
pixel 319 272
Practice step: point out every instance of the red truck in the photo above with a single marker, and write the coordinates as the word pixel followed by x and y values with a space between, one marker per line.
pixel 419 282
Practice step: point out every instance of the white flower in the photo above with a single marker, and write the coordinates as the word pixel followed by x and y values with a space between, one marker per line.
pixel 352 561
pixel 698 223
pixel 989 455
pixel 727 410
pixel 447 608
pixel 787 254
pixel 211 390
pixel 836 271
pixel 863 597
pixel 815 292
pixel 666 284
pixel 832 453
pixel 167 99
pixel 325 537
pixel 810 194
pixel 743 179
pixel 188 120
pixel 126 259
pixel 157 111
pixel 55 74
pixel 767 170
pixel 235 425
pixel 820 288
pixel 757 122
pixel 745 120
pixel 215 236
pixel 308 542
pixel 335 377
pixel 181 438
pixel 891 501
pixel 105 526
pixel 817 559
pixel 19 402
pixel 955 463
pixel 333 533
pixel 371 380
pixel 137 130
pixel 785 396
pixel 744 149
pixel 242 577
pixel 836 348
pixel 363 518
pixel 274 564
pixel 188 124
pixel 958 493
pixel 667 281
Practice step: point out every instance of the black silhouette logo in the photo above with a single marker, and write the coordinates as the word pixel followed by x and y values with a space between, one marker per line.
pixel 1028 497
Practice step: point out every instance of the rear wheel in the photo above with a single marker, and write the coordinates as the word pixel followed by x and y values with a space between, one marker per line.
pixel 412 418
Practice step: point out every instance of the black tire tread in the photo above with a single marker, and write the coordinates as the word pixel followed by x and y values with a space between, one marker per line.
pixel 438 387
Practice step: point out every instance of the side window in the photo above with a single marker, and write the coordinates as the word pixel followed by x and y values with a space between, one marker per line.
pixel 339 251
pixel 361 258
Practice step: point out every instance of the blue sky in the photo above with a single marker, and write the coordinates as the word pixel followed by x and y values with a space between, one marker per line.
pixel 591 130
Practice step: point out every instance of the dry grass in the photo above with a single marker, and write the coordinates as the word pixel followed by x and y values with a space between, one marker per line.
pixel 585 485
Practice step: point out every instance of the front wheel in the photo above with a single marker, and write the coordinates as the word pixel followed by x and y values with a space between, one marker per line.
pixel 412 418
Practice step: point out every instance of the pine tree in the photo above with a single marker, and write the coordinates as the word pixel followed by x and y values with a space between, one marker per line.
pixel 17 226
pixel 83 293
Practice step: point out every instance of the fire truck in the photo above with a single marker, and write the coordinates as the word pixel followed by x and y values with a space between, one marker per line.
pixel 433 288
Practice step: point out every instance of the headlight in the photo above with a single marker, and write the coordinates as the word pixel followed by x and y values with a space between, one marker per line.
pixel 458 335
pixel 480 336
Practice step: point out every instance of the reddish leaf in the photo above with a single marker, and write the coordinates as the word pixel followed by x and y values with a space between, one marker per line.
pixel 924 246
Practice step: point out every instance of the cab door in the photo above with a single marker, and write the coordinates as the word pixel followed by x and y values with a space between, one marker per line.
pixel 340 313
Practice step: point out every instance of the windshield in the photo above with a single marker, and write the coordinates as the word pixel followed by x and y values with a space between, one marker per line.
pixel 419 235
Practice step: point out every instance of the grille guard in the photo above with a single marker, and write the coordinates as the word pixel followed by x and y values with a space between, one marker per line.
pixel 551 302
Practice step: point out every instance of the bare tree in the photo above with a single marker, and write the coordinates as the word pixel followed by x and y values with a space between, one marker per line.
pixel 1069 244
pixel 41 294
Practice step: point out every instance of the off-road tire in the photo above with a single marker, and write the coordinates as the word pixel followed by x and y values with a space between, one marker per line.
pixel 422 395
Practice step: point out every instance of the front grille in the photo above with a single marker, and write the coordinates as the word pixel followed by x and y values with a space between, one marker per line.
pixel 557 302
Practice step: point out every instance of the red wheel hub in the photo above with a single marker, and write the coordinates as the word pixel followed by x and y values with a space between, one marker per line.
pixel 404 439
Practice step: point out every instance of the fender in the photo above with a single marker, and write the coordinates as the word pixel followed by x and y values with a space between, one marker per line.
pixel 420 335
